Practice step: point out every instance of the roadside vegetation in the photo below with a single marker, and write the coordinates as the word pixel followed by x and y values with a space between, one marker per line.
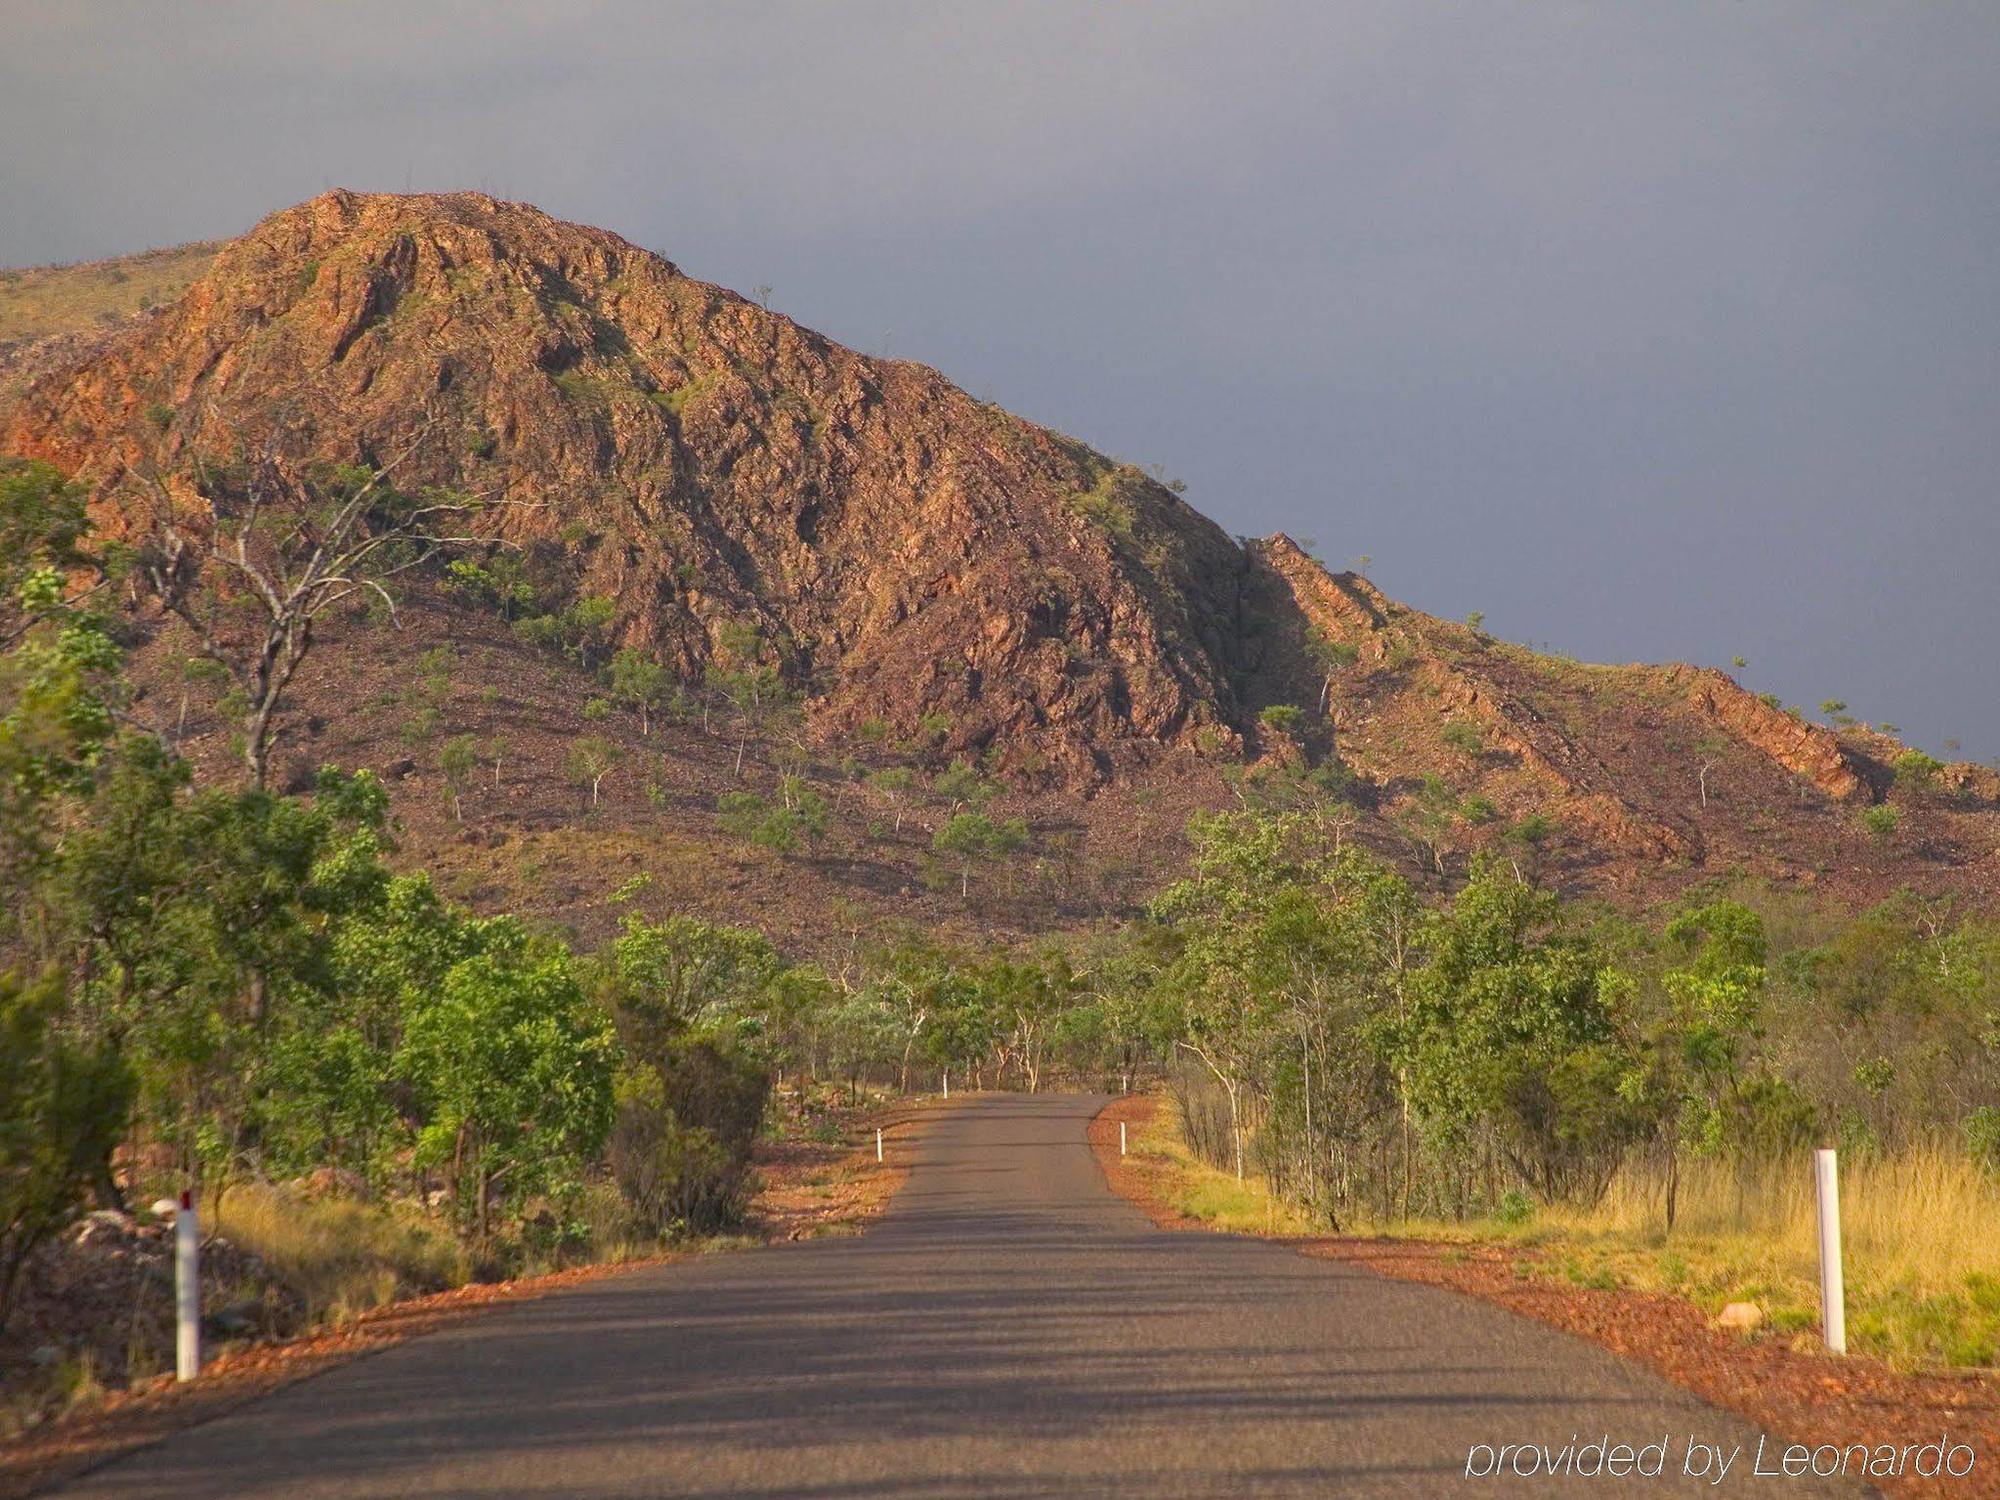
pixel 237 984
pixel 1921 1260
pixel 1640 1100
pixel 372 1090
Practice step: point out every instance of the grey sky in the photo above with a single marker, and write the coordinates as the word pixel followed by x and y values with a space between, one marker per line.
pixel 1653 331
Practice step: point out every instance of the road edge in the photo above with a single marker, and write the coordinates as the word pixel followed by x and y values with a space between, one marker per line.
pixel 1801 1397
pixel 75 1444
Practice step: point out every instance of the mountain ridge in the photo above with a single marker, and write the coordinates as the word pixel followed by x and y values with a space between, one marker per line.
pixel 925 569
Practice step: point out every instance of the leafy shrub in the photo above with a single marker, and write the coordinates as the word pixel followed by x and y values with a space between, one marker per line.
pixel 1463 737
pixel 680 1149
pixel 1282 718
pixel 61 1111
pixel 1916 771
pixel 1880 821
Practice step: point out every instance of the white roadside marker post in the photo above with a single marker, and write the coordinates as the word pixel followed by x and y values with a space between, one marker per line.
pixel 878 1143
pixel 187 1291
pixel 1121 1137
pixel 1124 1083
pixel 947 1083
pixel 1832 1293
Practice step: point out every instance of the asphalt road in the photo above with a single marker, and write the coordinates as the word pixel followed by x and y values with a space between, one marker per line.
pixel 1009 1328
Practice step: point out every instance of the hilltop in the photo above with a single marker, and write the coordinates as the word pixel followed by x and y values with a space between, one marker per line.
pixel 49 313
pixel 930 580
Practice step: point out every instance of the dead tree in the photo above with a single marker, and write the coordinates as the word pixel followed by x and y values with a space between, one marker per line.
pixel 294 543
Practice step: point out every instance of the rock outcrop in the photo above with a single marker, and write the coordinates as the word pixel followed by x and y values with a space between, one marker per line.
pixel 902 551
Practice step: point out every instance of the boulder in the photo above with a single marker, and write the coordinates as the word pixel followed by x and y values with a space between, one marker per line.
pixel 1746 1317
pixel 101 1226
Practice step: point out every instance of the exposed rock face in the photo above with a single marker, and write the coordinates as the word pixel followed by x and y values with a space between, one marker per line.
pixel 902 547
pixel 1806 750
pixel 1536 766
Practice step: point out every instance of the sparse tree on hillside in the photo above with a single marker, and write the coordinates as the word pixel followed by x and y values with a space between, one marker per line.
pixel 495 750
pixel 590 761
pixel 1285 719
pixel 962 788
pixel 1708 755
pixel 1532 834
pixel 974 838
pixel 895 783
pixel 457 760
pixel 751 688
pixel 1881 821
pixel 1330 656
pixel 1432 815
pixel 639 681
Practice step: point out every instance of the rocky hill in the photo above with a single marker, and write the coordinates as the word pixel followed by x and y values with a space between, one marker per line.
pixel 931 578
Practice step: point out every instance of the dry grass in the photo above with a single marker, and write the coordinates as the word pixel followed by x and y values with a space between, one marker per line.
pixel 343 1257
pixel 1201 1192
pixel 66 299
pixel 1919 1245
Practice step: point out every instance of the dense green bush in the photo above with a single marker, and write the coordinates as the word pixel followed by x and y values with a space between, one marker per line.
pixel 62 1109
pixel 680 1148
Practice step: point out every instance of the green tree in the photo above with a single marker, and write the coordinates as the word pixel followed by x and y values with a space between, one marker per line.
pixel 499 582
pixel 1509 1025
pixel 200 918
pixel 62 1109
pixel 1240 864
pixel 1283 718
pixel 457 760
pixel 640 682
pixel 512 1068
pixel 1917 772
pixel 494 748
pixel 685 974
pixel 590 760
pixel 973 838
pixel 961 788
pixel 1881 821
pixel 1704 1046
pixel 742 678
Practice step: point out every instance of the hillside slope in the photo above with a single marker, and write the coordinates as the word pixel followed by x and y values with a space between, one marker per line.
pixel 48 314
pixel 933 578
pixel 699 461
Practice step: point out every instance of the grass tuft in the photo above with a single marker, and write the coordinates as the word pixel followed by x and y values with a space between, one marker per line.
pixel 343 1257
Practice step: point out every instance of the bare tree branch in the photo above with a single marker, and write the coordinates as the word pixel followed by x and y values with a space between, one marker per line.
pixel 323 555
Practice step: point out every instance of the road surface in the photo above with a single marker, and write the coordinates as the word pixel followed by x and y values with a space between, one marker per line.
pixel 1008 1328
